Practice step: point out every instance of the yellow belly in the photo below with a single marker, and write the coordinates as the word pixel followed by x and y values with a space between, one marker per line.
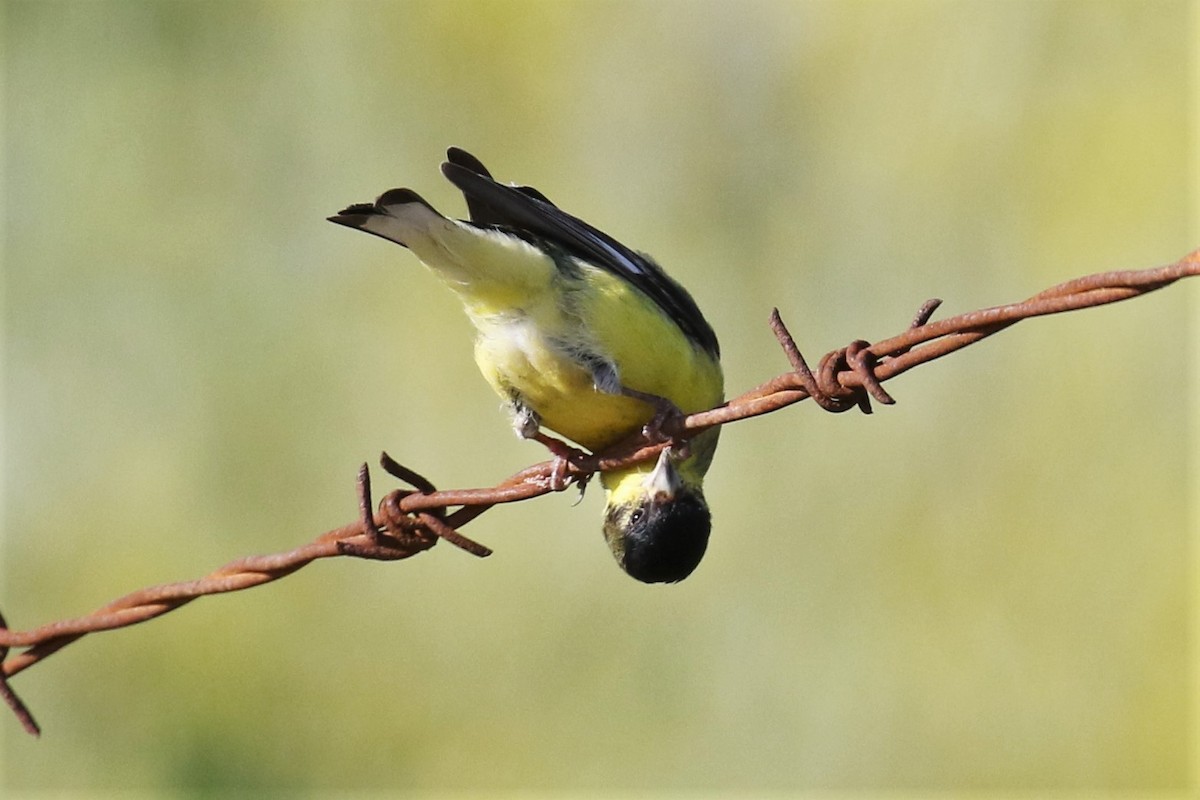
pixel 516 357
pixel 521 350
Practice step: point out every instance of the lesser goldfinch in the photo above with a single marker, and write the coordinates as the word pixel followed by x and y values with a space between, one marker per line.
pixel 578 334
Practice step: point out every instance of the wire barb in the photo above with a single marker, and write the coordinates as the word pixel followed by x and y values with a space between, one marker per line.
pixel 11 699
pixel 411 521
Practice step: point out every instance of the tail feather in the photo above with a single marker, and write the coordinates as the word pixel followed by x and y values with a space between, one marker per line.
pixel 472 257
pixel 389 217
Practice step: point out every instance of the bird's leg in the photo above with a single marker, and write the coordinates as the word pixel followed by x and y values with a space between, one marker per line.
pixel 606 379
pixel 528 425
pixel 564 456
pixel 666 413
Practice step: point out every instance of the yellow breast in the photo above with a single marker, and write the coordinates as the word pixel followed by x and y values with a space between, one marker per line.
pixel 529 350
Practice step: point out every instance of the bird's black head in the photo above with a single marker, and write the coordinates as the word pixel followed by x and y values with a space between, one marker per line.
pixel 660 540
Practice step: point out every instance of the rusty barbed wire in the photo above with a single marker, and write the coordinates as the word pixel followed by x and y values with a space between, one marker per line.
pixel 411 521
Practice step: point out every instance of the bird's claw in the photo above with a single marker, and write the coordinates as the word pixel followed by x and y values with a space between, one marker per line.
pixel 664 419
pixel 558 474
pixel 667 417
pixel 564 456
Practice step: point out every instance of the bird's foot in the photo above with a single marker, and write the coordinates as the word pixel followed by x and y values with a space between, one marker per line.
pixel 666 420
pixel 564 456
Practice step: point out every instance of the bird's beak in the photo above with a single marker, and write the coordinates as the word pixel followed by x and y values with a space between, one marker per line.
pixel 663 482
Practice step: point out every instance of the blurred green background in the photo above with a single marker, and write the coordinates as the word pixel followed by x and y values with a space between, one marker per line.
pixel 991 586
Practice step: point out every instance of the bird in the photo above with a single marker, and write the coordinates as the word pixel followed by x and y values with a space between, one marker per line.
pixel 580 335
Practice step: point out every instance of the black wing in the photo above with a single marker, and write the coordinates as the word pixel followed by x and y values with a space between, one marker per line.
pixel 525 208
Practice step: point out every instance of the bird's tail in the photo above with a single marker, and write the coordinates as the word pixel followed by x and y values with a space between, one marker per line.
pixel 399 215
pixel 476 261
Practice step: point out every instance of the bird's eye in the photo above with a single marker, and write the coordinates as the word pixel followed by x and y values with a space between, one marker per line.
pixel 635 516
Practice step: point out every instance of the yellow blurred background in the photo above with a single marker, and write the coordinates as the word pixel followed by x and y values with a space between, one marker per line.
pixel 990 587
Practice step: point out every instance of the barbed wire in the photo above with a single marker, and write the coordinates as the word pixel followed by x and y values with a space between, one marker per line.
pixel 412 520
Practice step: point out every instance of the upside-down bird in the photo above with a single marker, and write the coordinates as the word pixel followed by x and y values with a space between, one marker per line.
pixel 580 335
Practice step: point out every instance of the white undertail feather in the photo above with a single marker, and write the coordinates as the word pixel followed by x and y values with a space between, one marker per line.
pixel 464 256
